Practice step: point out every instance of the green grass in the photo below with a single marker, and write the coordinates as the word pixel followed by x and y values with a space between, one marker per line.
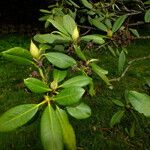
pixel 93 133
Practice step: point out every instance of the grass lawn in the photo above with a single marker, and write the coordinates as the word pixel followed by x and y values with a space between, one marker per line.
pixel 93 133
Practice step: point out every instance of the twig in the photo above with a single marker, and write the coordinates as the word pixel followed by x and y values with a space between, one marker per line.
pixel 141 37
pixel 127 68
pixel 86 27
pixel 86 32
pixel 136 23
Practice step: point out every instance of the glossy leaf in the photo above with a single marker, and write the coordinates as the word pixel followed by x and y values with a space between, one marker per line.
pixel 51 132
pixel 60 60
pixel 36 85
pixel 147 16
pixel 96 22
pixel 79 52
pixel 81 111
pixel 140 102
pixel 59 75
pixel 94 38
pixel 69 96
pixel 87 4
pixel 79 81
pixel 18 55
pixel 69 24
pixel 121 62
pixel 100 72
pixel 58 26
pixel 51 38
pixel 17 116
pixel 118 102
pixel 69 138
pixel 116 118
pixel 118 23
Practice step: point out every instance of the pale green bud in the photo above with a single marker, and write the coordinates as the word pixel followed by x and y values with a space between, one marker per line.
pixel 75 34
pixel 54 85
pixel 34 50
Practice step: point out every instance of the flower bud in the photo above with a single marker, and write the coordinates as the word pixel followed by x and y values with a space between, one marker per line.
pixel 109 33
pixel 54 85
pixel 75 34
pixel 34 50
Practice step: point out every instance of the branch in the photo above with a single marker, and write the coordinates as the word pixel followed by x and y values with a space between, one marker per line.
pixel 136 23
pixel 127 68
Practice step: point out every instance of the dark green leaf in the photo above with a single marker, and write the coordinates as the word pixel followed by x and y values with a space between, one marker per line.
pixel 96 22
pixel 60 60
pixel 51 132
pixel 18 55
pixel 140 102
pixel 147 2
pixel 81 111
pixel 147 16
pixel 17 116
pixel 118 23
pixel 69 138
pixel 79 81
pixel 69 96
pixel 117 102
pixel 116 118
pixel 121 62
pixel 36 85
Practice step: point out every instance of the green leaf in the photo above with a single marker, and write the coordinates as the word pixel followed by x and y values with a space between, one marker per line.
pixel 36 85
pixel 60 60
pixel 111 50
pixel 59 75
pixel 17 116
pixel 79 81
pixel 147 16
pixel 94 38
pixel 118 23
pixel 116 118
pixel 132 130
pixel 51 38
pixel 18 55
pixel 147 2
pixel 108 23
pixel 51 132
pixel 58 26
pixel 81 111
pixel 74 4
pixel 79 53
pixel 121 62
pixel 69 96
pixel 100 72
pixel 118 102
pixel 140 102
pixel 69 24
pixel 96 22
pixel 87 4
pixel 69 138
pixel 134 32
